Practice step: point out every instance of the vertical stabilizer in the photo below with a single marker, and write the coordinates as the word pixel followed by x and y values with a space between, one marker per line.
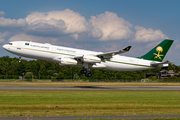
pixel 158 53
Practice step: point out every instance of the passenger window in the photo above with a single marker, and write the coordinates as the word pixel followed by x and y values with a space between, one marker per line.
pixel 9 43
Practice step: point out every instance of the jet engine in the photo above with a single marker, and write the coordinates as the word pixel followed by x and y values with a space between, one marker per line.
pixel 65 61
pixel 68 61
pixel 91 59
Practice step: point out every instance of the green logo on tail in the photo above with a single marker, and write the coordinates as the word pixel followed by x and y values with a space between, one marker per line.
pixel 159 49
pixel 158 53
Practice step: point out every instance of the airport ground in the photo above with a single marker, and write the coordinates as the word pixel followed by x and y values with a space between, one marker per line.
pixel 81 83
pixel 29 103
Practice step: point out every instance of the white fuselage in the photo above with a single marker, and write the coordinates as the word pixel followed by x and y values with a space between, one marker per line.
pixel 51 52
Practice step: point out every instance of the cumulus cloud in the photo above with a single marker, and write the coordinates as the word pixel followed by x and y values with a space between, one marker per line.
pixel 3 35
pixel 6 22
pixel 25 37
pixel 109 26
pixel 67 22
pixel 103 27
pixel 145 35
pixel 2 13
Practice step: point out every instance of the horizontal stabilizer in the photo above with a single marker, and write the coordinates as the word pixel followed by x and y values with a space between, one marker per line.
pixel 163 64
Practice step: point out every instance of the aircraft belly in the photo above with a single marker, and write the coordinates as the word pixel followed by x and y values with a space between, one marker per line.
pixel 124 66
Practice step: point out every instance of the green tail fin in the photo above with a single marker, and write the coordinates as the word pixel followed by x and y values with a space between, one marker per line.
pixel 158 53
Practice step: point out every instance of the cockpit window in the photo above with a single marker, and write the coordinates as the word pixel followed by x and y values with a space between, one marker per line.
pixel 9 43
pixel 26 43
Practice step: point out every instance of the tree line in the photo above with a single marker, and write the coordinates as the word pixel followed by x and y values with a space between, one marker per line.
pixel 10 68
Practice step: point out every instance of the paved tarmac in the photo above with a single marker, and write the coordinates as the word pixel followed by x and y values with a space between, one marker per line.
pixel 94 88
pixel 91 117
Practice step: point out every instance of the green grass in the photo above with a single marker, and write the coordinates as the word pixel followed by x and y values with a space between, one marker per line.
pixel 88 103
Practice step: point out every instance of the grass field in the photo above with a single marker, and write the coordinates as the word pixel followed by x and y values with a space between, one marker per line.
pixel 88 103
pixel 79 83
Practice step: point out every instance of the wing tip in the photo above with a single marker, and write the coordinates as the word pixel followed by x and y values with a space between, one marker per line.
pixel 127 48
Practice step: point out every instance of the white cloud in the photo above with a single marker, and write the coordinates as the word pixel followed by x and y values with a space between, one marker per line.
pixel 145 35
pixel 67 21
pixel 108 26
pixel 3 35
pixel 2 13
pixel 25 37
pixel 103 27
pixel 96 33
pixel 4 22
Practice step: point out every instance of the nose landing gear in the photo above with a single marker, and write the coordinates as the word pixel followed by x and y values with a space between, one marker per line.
pixel 20 59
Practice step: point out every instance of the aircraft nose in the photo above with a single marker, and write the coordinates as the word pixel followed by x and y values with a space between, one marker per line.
pixel 5 46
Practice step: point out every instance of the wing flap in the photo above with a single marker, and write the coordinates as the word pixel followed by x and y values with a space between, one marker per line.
pixel 78 57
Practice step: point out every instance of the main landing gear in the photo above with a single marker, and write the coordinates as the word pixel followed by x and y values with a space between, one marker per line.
pixel 86 72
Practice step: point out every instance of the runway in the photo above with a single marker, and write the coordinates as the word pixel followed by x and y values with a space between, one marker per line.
pixel 92 117
pixel 94 88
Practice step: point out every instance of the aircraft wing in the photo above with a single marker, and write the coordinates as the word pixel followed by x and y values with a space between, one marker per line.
pixel 110 54
pixel 97 57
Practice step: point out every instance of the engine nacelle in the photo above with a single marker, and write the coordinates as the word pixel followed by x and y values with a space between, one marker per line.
pixel 91 59
pixel 68 61
pixel 65 60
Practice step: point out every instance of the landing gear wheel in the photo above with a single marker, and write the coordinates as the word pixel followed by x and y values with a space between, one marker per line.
pixel 88 74
pixel 84 71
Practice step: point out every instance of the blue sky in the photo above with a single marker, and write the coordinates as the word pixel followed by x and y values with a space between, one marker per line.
pixel 99 25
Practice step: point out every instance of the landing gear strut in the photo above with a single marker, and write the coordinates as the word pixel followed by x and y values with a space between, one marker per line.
pixel 19 59
pixel 86 72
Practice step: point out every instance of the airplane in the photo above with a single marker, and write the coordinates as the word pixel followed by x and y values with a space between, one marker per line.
pixel 66 56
